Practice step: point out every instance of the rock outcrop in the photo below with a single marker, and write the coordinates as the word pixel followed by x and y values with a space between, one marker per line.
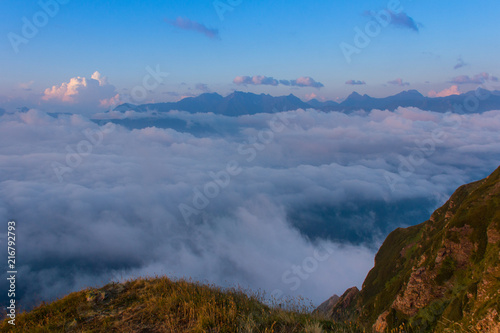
pixel 441 275
pixel 325 308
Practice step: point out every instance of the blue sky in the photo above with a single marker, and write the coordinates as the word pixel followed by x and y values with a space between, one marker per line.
pixel 285 40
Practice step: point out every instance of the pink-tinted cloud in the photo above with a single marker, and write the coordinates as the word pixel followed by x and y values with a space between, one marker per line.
pixel 80 95
pixel 399 82
pixel 306 81
pixel 453 90
pixel 311 96
pixel 187 24
pixel 476 79
pixel 70 91
pixel 112 101
pixel 67 91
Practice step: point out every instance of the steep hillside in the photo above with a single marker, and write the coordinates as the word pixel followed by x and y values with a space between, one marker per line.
pixel 440 276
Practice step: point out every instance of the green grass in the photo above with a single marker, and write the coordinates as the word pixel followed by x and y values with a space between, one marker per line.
pixel 476 205
pixel 446 271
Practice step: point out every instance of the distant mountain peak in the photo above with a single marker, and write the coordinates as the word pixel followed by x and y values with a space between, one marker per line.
pixel 411 92
pixel 238 103
pixel 353 95
pixel 210 94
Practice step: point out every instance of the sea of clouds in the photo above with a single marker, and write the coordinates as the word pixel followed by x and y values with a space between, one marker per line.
pixel 294 203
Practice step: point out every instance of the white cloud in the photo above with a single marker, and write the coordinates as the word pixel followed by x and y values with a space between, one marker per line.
pixel 320 179
pixel 67 91
pixel 81 94
pixel 103 80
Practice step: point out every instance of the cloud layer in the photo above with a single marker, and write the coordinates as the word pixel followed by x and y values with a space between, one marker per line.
pixel 309 183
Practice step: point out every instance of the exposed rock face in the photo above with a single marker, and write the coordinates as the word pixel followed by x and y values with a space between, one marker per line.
pixel 417 293
pixel 493 234
pixel 441 275
pixel 326 307
pixel 340 308
pixel 490 323
pixel 381 323
pixel 344 305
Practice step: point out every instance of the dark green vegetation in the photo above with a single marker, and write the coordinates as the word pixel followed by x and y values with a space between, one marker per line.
pixel 442 275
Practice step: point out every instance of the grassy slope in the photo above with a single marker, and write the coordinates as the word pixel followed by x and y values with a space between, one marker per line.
pixel 477 205
pixel 161 305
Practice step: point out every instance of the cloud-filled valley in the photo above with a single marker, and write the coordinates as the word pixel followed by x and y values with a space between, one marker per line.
pixel 309 198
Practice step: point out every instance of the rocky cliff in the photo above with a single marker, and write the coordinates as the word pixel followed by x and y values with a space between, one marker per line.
pixel 439 276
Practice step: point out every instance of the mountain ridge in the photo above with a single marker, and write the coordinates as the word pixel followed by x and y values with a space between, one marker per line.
pixel 245 103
